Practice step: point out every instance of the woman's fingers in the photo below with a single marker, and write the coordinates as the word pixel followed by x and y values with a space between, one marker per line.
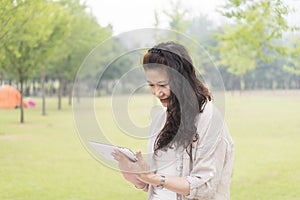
pixel 118 155
pixel 139 156
pixel 143 165
pixel 125 164
pixel 128 166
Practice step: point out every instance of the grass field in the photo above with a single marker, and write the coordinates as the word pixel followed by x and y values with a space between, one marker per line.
pixel 44 158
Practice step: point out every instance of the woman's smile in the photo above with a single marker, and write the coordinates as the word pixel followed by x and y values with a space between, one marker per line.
pixel 163 101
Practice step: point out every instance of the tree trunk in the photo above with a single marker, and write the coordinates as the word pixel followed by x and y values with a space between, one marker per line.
pixel 70 91
pixel 242 84
pixel 21 103
pixel 43 94
pixel 60 91
pixel 77 91
pixel 1 78
pixel 33 88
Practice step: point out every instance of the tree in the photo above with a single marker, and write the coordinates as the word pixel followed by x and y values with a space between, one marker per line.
pixel 294 61
pixel 85 34
pixel 32 25
pixel 177 17
pixel 293 64
pixel 177 20
pixel 255 27
pixel 202 29
pixel 61 31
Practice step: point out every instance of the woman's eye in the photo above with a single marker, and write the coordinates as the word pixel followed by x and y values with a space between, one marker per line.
pixel 152 85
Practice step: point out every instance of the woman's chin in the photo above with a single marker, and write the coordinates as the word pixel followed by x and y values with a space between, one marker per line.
pixel 164 104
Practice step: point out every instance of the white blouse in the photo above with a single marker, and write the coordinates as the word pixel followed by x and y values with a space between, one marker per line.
pixel 210 169
pixel 164 163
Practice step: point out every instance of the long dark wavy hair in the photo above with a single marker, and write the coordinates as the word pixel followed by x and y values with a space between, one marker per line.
pixel 186 100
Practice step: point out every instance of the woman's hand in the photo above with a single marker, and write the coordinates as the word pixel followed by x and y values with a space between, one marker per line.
pixel 144 172
pixel 129 169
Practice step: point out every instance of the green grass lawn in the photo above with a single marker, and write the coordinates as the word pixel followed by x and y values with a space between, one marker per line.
pixel 44 158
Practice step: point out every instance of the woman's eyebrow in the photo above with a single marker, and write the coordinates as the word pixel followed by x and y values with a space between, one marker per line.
pixel 165 82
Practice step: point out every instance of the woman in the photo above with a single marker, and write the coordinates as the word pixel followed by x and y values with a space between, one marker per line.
pixel 192 149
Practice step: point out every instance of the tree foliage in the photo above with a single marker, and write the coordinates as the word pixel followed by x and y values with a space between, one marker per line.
pixel 85 34
pixel 30 27
pixel 52 37
pixel 293 65
pixel 177 17
pixel 255 28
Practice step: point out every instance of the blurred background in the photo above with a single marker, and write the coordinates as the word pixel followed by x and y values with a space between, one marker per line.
pixel 255 46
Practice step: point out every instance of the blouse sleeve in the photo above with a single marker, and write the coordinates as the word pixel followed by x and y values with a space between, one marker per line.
pixel 209 156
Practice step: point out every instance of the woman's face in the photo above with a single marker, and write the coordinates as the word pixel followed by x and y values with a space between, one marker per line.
pixel 158 81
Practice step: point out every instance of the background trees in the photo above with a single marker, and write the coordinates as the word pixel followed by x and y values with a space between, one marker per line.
pixel 46 39
pixel 34 29
pixel 251 48
pixel 253 35
pixel 85 33
pixel 43 43
pixel 293 62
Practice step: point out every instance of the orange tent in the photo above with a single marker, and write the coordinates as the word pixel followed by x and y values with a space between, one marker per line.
pixel 10 97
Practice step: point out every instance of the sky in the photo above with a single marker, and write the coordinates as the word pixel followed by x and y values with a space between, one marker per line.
pixel 127 15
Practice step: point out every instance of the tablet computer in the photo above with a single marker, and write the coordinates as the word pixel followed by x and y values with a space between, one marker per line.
pixel 105 151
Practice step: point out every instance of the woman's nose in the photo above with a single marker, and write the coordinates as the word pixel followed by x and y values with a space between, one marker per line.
pixel 158 92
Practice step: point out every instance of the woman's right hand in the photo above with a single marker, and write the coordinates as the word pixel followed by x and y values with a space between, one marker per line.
pixel 132 178
pixel 128 169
